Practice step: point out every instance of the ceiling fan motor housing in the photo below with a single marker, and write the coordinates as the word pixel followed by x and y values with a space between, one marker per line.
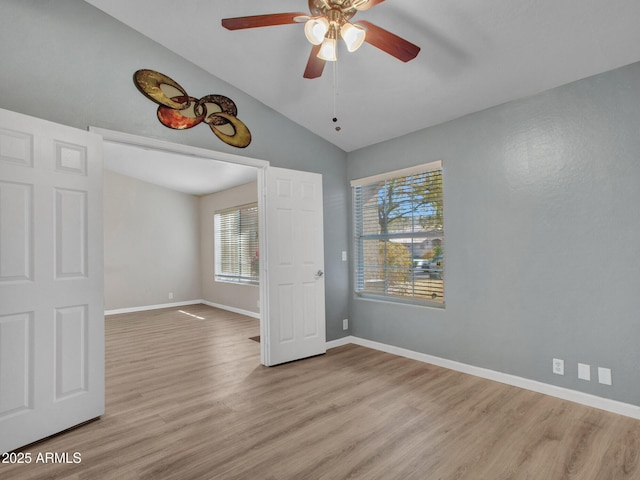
pixel 336 11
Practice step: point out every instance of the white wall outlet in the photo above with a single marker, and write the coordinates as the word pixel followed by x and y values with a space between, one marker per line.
pixel 604 376
pixel 345 324
pixel 344 256
pixel 170 295
pixel 584 372
pixel 558 366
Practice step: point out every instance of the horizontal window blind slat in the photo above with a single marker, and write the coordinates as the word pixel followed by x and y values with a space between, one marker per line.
pixel 437 165
pixel 399 234
pixel 237 244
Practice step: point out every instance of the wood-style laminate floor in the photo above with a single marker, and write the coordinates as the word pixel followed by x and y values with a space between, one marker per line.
pixel 187 399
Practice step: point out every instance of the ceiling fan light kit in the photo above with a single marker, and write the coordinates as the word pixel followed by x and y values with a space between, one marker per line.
pixel 328 50
pixel 315 29
pixel 333 23
pixel 353 35
pixel 330 21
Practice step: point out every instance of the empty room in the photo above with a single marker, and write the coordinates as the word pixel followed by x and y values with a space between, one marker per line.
pixel 319 239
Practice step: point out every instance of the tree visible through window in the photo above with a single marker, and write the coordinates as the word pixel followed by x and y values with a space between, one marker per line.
pixel 236 245
pixel 399 234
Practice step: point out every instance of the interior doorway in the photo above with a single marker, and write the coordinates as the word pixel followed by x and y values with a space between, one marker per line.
pixel 193 171
pixel 291 251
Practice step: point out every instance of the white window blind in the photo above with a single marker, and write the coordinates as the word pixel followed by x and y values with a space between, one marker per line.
pixel 399 234
pixel 236 245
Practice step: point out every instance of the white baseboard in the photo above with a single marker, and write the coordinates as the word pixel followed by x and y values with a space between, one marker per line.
pixel 182 304
pixel 582 398
pixel 151 307
pixel 248 313
pixel 340 342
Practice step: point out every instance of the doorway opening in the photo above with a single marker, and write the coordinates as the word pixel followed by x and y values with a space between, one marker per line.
pixel 195 172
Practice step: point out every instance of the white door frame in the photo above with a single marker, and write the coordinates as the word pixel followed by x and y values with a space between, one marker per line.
pixel 260 165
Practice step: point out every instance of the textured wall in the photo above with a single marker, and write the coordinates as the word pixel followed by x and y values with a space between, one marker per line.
pixel 244 297
pixel 70 63
pixel 542 227
pixel 151 244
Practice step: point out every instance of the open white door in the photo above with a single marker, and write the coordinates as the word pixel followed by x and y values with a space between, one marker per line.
pixel 294 326
pixel 51 279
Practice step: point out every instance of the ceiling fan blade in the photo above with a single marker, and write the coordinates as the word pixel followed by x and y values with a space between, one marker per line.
pixel 389 42
pixel 268 20
pixel 369 4
pixel 315 65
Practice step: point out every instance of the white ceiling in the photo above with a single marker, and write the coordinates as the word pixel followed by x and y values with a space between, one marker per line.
pixel 475 54
pixel 187 174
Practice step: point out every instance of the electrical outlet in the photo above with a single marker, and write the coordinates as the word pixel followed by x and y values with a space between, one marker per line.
pixel 345 324
pixel 558 366
pixel 604 376
pixel 584 372
pixel 344 256
pixel 170 295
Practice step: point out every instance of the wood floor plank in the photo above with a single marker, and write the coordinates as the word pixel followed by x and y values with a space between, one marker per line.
pixel 187 400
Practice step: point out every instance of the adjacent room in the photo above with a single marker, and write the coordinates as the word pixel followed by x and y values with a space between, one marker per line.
pixel 160 209
pixel 319 239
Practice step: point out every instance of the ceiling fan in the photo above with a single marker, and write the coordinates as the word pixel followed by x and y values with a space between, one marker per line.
pixel 328 22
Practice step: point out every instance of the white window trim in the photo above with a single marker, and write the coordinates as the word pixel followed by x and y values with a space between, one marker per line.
pixel 219 277
pixel 404 172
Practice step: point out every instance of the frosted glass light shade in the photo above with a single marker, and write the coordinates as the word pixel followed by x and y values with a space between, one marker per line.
pixel 315 29
pixel 353 35
pixel 328 50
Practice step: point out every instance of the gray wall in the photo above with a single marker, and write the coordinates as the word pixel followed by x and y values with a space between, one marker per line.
pixel 151 244
pixel 244 297
pixel 541 199
pixel 542 225
pixel 68 62
pixel 159 241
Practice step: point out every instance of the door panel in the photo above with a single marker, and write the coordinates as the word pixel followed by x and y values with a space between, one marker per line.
pixel 71 233
pixel 51 279
pixel 16 362
pixel 71 361
pixel 16 232
pixel 295 321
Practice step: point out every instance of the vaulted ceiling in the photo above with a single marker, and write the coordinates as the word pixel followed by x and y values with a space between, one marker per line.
pixel 474 54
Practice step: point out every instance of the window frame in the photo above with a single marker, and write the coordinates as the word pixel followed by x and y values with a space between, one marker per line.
pixel 230 277
pixel 359 265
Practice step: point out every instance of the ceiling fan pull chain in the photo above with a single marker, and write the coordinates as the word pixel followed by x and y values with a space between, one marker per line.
pixel 335 95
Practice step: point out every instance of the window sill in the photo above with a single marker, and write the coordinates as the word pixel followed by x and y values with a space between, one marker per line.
pixel 237 281
pixel 399 300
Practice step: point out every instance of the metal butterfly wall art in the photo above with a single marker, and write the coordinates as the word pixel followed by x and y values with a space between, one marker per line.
pixel 180 111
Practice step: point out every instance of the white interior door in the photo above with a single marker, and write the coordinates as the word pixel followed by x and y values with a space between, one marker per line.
pixel 51 279
pixel 295 327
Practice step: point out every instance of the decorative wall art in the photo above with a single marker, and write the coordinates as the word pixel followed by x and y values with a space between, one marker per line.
pixel 180 111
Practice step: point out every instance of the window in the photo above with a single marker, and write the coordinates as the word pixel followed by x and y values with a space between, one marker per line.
pixel 236 245
pixel 399 235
